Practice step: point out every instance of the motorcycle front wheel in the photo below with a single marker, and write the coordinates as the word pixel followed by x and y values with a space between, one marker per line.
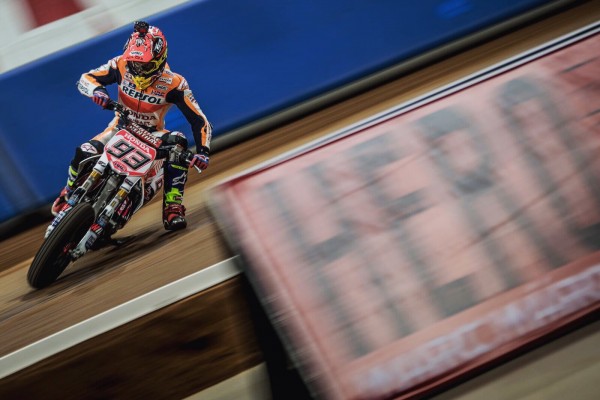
pixel 53 257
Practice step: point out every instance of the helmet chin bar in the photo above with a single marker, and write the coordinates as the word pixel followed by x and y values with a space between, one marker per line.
pixel 147 68
pixel 141 83
pixel 143 79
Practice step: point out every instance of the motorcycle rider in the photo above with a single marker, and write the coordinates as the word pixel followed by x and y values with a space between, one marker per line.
pixel 148 88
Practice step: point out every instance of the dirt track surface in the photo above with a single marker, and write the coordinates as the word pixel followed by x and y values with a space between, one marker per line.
pixel 153 258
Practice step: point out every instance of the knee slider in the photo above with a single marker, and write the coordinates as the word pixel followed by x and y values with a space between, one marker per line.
pixel 89 149
pixel 86 150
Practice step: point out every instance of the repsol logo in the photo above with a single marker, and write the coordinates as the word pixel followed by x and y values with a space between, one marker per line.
pixel 143 97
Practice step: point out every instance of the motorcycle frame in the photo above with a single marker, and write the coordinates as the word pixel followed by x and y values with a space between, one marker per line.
pixel 117 185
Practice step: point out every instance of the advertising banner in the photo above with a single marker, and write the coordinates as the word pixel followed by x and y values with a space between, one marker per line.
pixel 407 254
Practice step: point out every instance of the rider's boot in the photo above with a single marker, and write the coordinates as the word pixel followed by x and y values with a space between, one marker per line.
pixel 63 197
pixel 86 150
pixel 173 210
pixel 61 200
pixel 174 217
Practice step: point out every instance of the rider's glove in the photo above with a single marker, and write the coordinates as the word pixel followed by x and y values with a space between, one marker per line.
pixel 200 160
pixel 101 98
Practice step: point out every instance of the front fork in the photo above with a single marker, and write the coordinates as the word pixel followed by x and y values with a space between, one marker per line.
pixel 96 229
pixel 77 195
pixel 103 219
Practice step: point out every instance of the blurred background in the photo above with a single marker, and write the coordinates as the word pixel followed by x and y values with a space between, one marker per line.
pixel 33 29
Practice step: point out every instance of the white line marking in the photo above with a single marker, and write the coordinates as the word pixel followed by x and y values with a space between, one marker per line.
pixel 120 315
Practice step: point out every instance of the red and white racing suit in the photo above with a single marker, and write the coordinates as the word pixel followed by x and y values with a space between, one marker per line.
pixel 148 108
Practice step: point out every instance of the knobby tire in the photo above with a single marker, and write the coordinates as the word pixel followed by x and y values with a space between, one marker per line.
pixel 52 259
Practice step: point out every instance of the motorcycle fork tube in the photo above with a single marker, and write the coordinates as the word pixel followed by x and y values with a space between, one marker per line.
pixel 115 202
pixel 102 199
pixel 91 180
pixel 97 229
pixel 83 189
pixel 74 199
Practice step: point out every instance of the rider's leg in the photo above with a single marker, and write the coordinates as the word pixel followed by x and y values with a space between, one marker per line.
pixel 175 179
pixel 82 152
pixel 87 149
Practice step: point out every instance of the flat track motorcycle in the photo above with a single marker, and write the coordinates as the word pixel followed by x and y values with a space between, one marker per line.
pixel 110 188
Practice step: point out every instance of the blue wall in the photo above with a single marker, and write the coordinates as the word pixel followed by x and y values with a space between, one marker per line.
pixel 243 59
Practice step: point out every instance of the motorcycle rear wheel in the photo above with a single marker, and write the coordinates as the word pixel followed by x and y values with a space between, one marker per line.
pixel 53 256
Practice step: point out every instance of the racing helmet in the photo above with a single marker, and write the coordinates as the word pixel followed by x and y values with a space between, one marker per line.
pixel 146 54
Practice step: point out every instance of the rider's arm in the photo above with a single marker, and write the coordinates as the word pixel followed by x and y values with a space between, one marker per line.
pixel 100 77
pixel 183 98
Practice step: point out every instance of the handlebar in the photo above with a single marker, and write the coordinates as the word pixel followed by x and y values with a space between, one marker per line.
pixel 115 106
pixel 187 156
pixel 124 112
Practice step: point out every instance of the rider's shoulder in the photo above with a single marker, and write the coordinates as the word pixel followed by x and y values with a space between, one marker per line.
pixel 113 62
pixel 116 62
pixel 173 80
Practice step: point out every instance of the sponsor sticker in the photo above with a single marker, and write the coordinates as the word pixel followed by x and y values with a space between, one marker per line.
pixel 119 166
pixel 143 134
pixel 88 148
pixel 152 98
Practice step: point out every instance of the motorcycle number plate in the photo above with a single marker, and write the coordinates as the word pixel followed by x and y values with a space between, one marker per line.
pixel 129 155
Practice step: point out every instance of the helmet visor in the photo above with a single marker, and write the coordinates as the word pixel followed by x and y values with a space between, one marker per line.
pixel 142 68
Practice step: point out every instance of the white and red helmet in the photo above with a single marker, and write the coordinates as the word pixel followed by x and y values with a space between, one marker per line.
pixel 146 54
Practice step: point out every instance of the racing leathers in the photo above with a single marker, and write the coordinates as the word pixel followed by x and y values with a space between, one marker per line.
pixel 148 108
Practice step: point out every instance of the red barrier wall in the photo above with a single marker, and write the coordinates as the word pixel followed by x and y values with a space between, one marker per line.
pixel 46 11
pixel 416 250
